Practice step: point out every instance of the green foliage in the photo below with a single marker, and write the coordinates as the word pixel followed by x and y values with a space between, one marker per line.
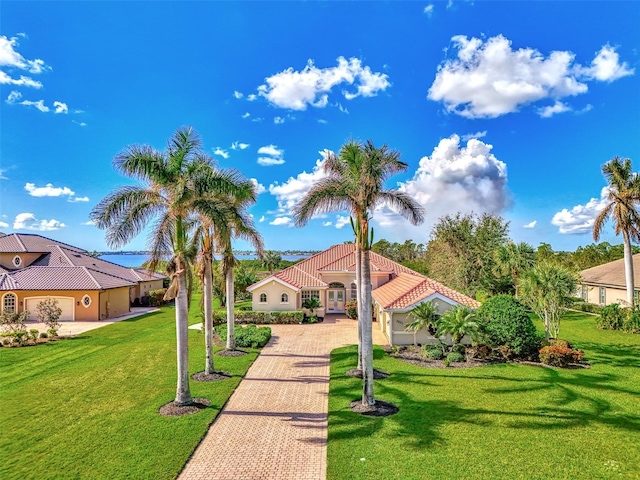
pixel 424 315
pixel 455 357
pixel 560 356
pixel 311 304
pixel 13 321
pixel 587 307
pixel 458 322
pixel 351 309
pixel 156 297
pixel 614 317
pixel 49 312
pixel 52 332
pixel 34 334
pixel 506 322
pixel 434 351
pixel 258 317
pixel 249 336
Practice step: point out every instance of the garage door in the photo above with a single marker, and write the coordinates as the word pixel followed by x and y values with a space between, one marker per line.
pixel 65 303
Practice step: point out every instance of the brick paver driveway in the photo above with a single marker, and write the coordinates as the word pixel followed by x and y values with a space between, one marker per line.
pixel 275 423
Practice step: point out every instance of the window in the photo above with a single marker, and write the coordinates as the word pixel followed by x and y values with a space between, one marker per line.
pixel 307 294
pixel 9 303
pixel 284 298
pixel 585 293
pixel 336 285
pixel 86 301
pixel 603 296
pixel 354 291
pixel 263 298
pixel 17 261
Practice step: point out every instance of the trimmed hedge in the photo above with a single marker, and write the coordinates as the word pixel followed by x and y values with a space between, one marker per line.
pixel 259 318
pixel 614 317
pixel 248 336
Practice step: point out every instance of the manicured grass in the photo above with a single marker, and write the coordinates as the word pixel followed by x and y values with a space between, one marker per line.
pixel 496 422
pixel 87 407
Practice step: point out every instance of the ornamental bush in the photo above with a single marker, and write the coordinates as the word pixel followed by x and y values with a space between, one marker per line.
pixel 613 317
pixel 455 357
pixel 249 336
pixel 506 323
pixel 559 356
pixel 351 309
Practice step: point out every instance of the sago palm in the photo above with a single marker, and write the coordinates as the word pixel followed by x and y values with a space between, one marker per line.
pixel 355 184
pixel 622 208
pixel 424 315
pixel 175 184
pixel 458 322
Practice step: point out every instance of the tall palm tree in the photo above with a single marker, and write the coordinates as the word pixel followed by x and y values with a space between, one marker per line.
pixel 513 259
pixel 424 315
pixel 623 198
pixel 355 183
pixel 176 186
pixel 271 260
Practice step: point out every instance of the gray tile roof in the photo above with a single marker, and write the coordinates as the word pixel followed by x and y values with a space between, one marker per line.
pixel 62 278
pixel 612 273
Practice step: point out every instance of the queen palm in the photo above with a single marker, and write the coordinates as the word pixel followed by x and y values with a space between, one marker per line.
pixel 176 186
pixel 623 199
pixel 513 259
pixel 424 315
pixel 355 183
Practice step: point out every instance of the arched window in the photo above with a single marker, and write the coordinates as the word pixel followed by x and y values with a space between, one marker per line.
pixel 336 285
pixel 263 298
pixel 284 298
pixel 9 303
pixel 354 291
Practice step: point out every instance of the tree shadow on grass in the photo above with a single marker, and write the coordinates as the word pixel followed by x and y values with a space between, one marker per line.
pixel 614 355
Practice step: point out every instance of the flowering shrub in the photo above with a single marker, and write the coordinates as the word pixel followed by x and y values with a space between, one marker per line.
pixel 351 309
pixel 559 356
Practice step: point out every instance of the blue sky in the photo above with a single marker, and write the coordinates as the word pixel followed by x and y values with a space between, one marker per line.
pixel 502 107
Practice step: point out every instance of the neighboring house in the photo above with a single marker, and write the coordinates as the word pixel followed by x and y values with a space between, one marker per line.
pixel 330 277
pixel 606 284
pixel 86 288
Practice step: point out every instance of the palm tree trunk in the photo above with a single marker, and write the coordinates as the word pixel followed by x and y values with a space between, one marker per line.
pixel 183 392
pixel 208 314
pixel 231 334
pixel 359 301
pixel 628 266
pixel 367 333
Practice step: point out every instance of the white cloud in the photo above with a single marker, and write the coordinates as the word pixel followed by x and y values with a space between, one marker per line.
pixel 3 224
pixel 78 199
pixel 48 190
pixel 469 136
pixel 428 10
pixel 89 223
pixel 342 220
pixel 262 219
pixel 237 94
pixel 257 119
pixel 282 221
pixel 606 66
pixel 531 224
pixel 290 192
pixel 327 224
pixel 323 121
pixel 580 219
pixel 82 124
pixel 239 146
pixel 296 90
pixel 37 104
pixel 252 97
pixel 246 115
pixel 278 120
pixel 10 58
pixel 28 221
pixel 13 97
pixel 60 107
pixel 21 81
pixel 487 79
pixel 453 179
pixel 273 155
pixel 259 187
pixel 551 110
pixel 220 152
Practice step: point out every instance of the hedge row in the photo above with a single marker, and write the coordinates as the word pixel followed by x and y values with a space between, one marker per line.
pixel 261 318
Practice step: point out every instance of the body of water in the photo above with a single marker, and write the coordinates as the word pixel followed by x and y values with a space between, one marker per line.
pixel 138 260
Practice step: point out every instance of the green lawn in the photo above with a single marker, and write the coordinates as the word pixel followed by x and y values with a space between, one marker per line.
pixel 87 407
pixel 503 421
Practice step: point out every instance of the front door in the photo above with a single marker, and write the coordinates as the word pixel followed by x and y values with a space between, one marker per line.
pixel 335 300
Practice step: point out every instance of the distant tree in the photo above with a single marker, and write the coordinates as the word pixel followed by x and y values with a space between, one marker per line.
pixel 622 208
pixel 425 315
pixel 271 260
pixel 514 258
pixel 547 290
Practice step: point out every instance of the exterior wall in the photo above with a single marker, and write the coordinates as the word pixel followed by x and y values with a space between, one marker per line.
pixel 612 295
pixel 114 302
pixel 81 313
pixel 143 289
pixel 6 259
pixel 274 291
pixel 400 336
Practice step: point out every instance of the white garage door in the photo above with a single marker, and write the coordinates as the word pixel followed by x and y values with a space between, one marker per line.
pixel 65 303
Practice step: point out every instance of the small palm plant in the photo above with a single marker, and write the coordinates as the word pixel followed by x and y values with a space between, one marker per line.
pixel 458 322
pixel 312 303
pixel 424 315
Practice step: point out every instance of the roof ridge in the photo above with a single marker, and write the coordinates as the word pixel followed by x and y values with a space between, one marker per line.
pixel 61 249
pixel 91 277
pixel 24 248
pixel 102 272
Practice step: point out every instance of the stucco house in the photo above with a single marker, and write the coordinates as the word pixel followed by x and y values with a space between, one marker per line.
pixel 86 288
pixel 330 277
pixel 606 284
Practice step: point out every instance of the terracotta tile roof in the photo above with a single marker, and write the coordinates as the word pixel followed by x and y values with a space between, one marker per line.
pixel 407 289
pixel 612 273
pixel 62 278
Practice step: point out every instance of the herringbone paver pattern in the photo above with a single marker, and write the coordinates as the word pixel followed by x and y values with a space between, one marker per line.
pixel 275 423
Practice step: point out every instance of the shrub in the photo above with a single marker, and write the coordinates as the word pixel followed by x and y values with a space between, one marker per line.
pixel 558 342
pixel 587 307
pixel 52 332
pixel 434 351
pixel 506 322
pixel 631 323
pixel 455 357
pixel 611 317
pixel 252 317
pixel 49 312
pixel 459 348
pixel 248 336
pixel 293 316
pixel 34 334
pixel 559 356
pixel 506 352
pixel 156 297
pixel 44 335
pixel 6 341
pixel 12 322
pixel 351 309
pixel 480 352
pixel 20 337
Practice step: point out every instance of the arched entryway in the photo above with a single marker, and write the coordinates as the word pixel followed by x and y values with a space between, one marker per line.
pixel 335 298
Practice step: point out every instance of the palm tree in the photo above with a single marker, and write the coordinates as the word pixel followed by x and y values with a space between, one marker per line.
pixel 424 315
pixel 458 322
pixel 355 183
pixel 177 183
pixel 547 289
pixel 623 198
pixel 271 260
pixel 514 258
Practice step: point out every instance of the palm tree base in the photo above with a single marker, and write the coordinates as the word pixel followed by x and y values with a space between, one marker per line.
pixel 231 353
pixel 357 373
pixel 172 409
pixel 378 409
pixel 217 375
